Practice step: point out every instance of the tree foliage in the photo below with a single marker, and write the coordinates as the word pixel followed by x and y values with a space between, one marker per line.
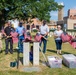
pixel 27 9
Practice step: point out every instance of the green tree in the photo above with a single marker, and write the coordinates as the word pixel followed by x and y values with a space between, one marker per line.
pixel 27 9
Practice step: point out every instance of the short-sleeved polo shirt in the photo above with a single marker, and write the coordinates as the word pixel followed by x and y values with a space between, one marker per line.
pixel 44 29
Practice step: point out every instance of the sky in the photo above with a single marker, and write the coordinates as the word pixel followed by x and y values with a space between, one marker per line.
pixel 68 4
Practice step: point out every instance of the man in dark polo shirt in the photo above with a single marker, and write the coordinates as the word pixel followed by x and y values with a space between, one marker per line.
pixel 8 39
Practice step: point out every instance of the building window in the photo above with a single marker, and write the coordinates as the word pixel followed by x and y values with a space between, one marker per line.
pixel 33 26
pixel 74 25
pixel 28 27
pixel 37 26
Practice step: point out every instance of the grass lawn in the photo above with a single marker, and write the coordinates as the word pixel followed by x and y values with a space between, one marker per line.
pixel 5 60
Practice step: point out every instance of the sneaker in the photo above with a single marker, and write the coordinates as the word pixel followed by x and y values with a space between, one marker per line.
pixel 60 53
pixel 17 47
pixel 57 52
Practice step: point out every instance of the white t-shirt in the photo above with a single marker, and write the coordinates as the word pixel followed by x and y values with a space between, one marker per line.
pixel 58 33
pixel 44 29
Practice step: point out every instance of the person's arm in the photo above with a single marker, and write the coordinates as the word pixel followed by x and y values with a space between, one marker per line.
pixel 55 35
pixel 5 32
pixel 47 31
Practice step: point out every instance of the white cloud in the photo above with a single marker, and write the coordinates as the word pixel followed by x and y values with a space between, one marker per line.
pixel 61 3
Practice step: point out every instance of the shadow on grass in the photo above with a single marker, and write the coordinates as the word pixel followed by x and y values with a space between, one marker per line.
pixel 45 63
pixel 54 51
pixel 14 50
pixel 49 50
pixel 65 64
pixel 3 50
pixel 66 52
pixel 21 60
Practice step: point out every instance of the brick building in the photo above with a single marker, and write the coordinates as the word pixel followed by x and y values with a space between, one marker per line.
pixel 36 23
pixel 70 20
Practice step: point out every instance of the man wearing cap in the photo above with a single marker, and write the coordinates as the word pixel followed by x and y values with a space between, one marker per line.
pixel 58 40
pixel 44 30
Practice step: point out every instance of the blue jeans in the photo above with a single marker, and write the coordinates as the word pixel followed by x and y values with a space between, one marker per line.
pixel 20 44
pixel 58 44
pixel 44 44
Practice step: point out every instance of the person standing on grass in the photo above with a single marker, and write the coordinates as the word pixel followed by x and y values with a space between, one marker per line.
pixel 1 41
pixel 58 40
pixel 20 30
pixel 8 39
pixel 44 30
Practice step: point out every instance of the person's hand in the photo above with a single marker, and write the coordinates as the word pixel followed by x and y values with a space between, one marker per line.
pixel 44 37
pixel 9 36
pixel 55 36
pixel 20 34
